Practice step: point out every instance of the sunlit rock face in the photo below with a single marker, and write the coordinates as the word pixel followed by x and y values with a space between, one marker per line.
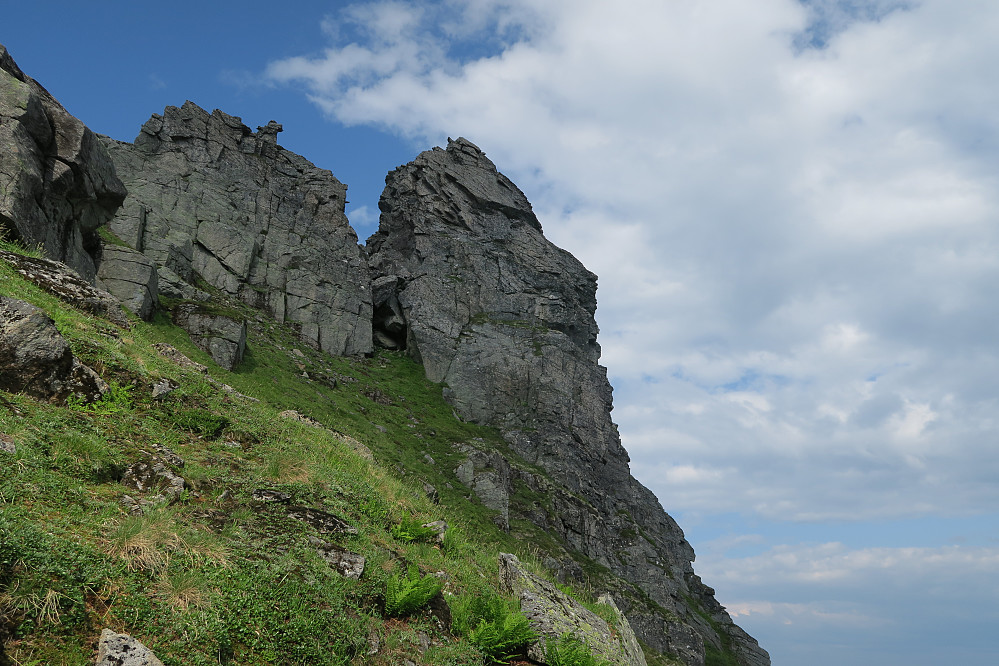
pixel 209 197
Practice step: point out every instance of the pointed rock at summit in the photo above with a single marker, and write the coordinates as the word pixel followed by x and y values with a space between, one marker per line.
pixel 57 183
pixel 209 197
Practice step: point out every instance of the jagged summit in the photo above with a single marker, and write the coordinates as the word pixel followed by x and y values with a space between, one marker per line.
pixel 209 197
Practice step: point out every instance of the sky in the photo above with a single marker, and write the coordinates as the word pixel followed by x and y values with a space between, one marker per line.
pixel 793 210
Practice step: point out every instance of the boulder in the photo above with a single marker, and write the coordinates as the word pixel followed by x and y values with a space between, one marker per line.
pixel 553 614
pixel 131 277
pixel 115 649
pixel 222 337
pixel 147 475
pixel 57 182
pixel 36 360
pixel 209 197
pixel 341 560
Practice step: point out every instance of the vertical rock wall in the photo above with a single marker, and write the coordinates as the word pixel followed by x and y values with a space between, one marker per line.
pixel 468 284
pixel 57 183
pixel 209 197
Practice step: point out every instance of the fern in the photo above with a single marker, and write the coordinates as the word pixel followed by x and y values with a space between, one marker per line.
pixel 406 594
pixel 492 625
pixel 570 651
pixel 411 530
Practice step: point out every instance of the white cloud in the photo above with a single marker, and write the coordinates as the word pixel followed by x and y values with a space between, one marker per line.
pixel 796 246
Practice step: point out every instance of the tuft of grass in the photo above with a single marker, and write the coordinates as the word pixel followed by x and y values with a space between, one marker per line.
pixel 145 541
pixel 183 589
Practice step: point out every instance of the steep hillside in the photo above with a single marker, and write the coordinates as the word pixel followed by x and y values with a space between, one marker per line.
pixel 261 474
pixel 190 509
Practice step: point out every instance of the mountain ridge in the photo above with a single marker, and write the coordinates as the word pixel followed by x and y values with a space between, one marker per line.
pixel 459 276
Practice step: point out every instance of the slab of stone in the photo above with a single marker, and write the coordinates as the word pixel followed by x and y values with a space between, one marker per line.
pixel 114 649
pixel 59 279
pixel 131 277
pixel 348 564
pixel 553 614
pixel 222 337
pixel 149 475
pixel 324 521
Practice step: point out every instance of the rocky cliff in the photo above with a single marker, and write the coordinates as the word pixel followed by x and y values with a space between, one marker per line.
pixel 57 185
pixel 209 197
pixel 459 276
pixel 466 282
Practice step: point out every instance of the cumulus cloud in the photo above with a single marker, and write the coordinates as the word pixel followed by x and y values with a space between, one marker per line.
pixel 791 207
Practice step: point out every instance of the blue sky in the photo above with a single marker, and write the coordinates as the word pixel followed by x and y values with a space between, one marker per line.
pixel 793 209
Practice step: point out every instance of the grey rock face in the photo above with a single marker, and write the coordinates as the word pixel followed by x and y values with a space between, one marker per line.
pixel 553 614
pixel 57 183
pixel 122 650
pixel 36 360
pixel 130 277
pixel 487 473
pixel 208 196
pixel 467 283
pixel 222 337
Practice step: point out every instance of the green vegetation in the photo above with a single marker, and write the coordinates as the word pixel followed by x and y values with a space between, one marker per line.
pixel 569 651
pixel 493 624
pixel 216 576
pixel 407 593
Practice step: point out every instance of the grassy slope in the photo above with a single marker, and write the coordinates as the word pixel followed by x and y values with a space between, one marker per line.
pixel 217 577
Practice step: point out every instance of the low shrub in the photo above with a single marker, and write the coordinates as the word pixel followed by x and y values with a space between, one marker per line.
pixel 199 421
pixel 411 530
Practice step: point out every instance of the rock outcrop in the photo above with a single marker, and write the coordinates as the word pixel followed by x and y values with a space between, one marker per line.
pixel 131 277
pixel 57 183
pixel 467 283
pixel 59 279
pixel 115 649
pixel 36 360
pixel 208 197
pixel 221 336
pixel 553 614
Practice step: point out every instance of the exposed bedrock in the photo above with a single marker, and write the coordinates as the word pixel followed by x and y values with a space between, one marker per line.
pixel 468 284
pixel 209 197
pixel 57 183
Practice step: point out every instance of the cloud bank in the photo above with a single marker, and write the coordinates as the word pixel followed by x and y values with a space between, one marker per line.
pixel 791 208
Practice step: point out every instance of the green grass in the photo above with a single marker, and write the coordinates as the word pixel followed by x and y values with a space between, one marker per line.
pixel 218 577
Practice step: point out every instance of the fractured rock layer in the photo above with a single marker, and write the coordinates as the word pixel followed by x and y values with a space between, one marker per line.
pixel 209 197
